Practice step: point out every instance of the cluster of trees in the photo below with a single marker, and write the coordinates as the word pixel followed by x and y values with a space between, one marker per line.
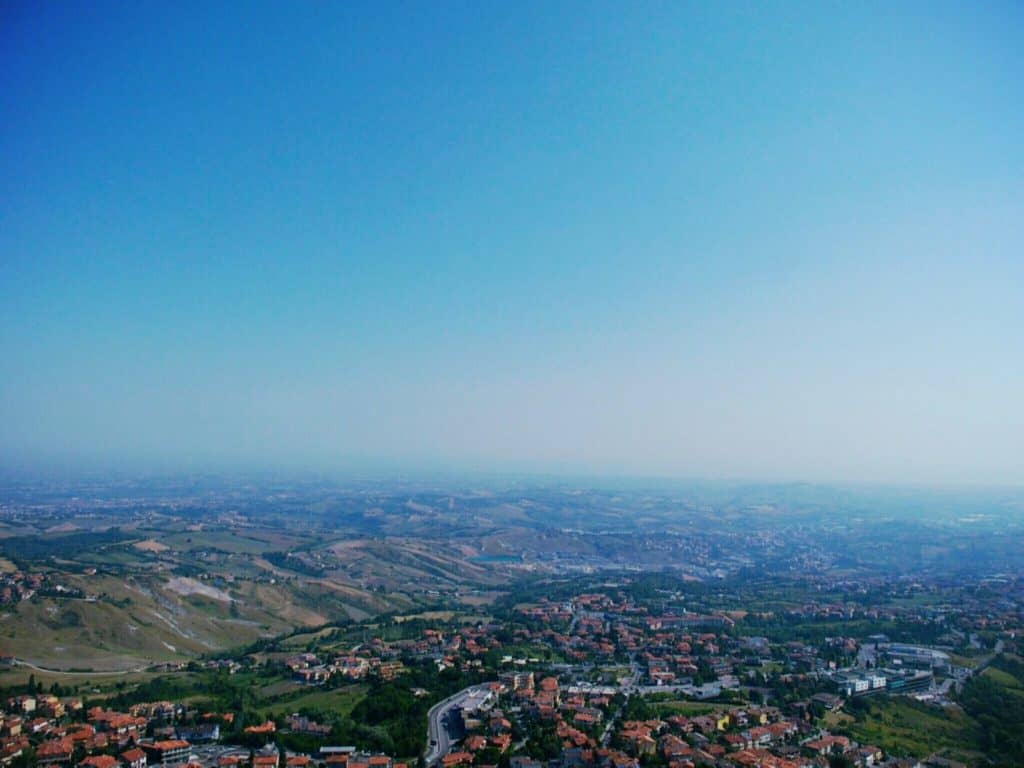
pixel 33 687
pixel 292 563
pixel 31 550
pixel 999 710
pixel 782 628
pixel 389 718
pixel 221 691
pixel 543 742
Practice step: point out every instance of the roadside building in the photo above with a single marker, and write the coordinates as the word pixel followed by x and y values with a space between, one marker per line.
pixel 166 752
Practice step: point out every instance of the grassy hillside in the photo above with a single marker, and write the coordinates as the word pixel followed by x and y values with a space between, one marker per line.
pixel 990 720
pixel 996 700
pixel 172 590
pixel 902 726
pixel 141 619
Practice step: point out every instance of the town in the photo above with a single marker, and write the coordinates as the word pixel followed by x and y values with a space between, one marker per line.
pixel 623 674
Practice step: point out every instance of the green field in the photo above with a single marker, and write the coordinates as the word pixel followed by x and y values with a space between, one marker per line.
pixel 336 703
pixel 687 708
pixel 225 541
pixel 279 688
pixel 300 640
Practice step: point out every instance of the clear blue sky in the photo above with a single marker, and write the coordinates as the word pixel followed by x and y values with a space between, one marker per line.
pixel 776 241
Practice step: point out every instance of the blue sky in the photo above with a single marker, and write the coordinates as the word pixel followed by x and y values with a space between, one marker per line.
pixel 773 241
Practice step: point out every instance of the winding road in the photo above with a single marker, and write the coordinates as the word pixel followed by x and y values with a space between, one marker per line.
pixel 93 673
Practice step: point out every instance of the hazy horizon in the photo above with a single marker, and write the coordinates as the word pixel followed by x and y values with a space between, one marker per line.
pixel 679 241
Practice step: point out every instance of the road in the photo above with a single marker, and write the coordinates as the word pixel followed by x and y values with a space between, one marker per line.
pixel 606 734
pixel 440 736
pixel 986 660
pixel 30 665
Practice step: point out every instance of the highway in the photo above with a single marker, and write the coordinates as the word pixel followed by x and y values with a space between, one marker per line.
pixel 440 725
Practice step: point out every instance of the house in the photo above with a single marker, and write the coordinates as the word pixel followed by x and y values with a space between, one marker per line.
pixel 55 752
pixel 166 752
pixel 263 729
pixel 83 735
pixel 36 725
pixel 312 675
pixel 704 724
pixel 133 758
pixel 735 741
pixel 122 728
pixel 759 736
pixel 99 761
pixel 782 730
pixel 671 747
pixel 12 748
pixel 867 756
pixel 24 704
pixel 302 724
pixel 50 705
pixel 336 757
pixel 12 726
pixel 828 745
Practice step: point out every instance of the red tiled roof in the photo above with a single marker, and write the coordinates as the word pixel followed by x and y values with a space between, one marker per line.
pixel 99 761
pixel 169 744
